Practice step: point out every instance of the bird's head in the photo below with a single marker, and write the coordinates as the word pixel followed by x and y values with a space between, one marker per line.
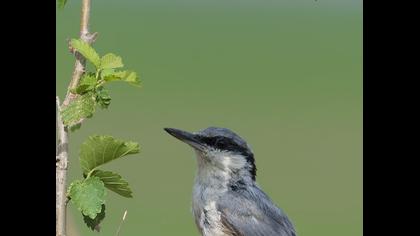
pixel 220 149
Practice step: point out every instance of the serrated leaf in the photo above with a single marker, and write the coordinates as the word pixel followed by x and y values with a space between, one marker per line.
pixel 75 127
pixel 93 224
pixel 130 77
pixel 98 150
pixel 103 98
pixel 87 83
pixel 126 76
pixel 106 72
pixel 80 108
pixel 61 3
pixel 88 195
pixel 114 182
pixel 87 51
pixel 111 61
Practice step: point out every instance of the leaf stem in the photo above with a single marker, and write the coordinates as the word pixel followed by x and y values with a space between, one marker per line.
pixel 90 173
pixel 99 81
pixel 97 74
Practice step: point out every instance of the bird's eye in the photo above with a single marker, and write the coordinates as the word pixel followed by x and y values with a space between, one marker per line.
pixel 221 144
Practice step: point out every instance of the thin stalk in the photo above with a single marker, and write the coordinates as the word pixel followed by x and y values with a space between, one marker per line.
pixel 62 148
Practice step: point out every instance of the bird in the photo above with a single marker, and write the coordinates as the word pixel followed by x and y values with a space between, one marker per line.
pixel 226 199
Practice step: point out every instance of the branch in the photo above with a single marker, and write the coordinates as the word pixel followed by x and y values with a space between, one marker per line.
pixel 62 132
pixel 62 148
pixel 80 64
pixel 61 174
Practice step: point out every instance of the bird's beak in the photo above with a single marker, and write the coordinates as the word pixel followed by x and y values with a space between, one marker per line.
pixel 186 137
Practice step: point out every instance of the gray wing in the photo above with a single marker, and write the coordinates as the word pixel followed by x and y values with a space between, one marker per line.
pixel 251 212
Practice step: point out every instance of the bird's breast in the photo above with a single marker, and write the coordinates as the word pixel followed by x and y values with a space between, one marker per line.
pixel 204 206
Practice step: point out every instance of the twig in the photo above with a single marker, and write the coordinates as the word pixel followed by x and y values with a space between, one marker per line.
pixel 61 174
pixel 80 64
pixel 119 227
pixel 62 149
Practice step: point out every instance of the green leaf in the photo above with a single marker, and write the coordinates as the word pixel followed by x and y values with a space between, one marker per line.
pixel 82 107
pixel 106 72
pixel 126 76
pixel 114 182
pixel 130 77
pixel 93 224
pixel 98 150
pixel 111 61
pixel 87 83
pixel 61 3
pixel 87 51
pixel 88 195
pixel 103 98
pixel 75 127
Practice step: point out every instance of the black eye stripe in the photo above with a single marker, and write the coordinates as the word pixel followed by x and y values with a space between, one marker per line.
pixel 224 143
pixel 221 143
pixel 225 139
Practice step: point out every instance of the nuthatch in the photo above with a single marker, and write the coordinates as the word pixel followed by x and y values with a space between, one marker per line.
pixel 226 199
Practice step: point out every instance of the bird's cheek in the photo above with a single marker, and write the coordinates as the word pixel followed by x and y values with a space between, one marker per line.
pixel 203 156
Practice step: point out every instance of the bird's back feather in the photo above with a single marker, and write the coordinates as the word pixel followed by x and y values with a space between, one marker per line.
pixel 241 216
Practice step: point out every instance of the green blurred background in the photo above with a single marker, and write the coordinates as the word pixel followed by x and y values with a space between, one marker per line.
pixel 285 75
